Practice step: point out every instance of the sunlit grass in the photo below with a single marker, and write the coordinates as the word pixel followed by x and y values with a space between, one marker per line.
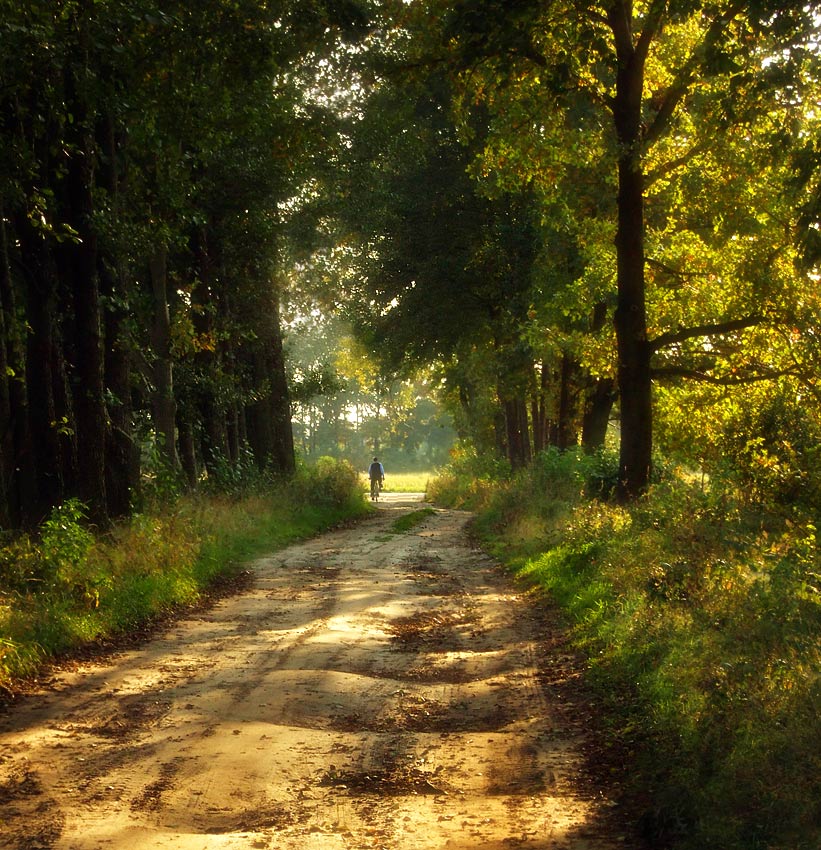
pixel 411 520
pixel 701 621
pixel 53 600
pixel 404 482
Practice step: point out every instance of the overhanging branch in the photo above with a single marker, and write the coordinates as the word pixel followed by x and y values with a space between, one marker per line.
pixel 733 380
pixel 713 329
pixel 689 71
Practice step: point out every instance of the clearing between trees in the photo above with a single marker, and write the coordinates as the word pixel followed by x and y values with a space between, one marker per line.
pixel 369 690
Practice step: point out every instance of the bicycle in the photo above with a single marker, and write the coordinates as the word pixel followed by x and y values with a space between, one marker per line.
pixel 376 486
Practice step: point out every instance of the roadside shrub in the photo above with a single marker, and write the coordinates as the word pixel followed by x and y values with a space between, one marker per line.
pixel 65 543
pixel 22 567
pixel 328 482
pixel 469 479
pixel 773 449
pixel 701 619
pixel 235 477
pixel 69 588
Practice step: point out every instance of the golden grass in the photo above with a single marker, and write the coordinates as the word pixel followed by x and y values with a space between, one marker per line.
pixel 404 482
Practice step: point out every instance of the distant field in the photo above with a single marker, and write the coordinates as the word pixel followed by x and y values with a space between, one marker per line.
pixel 406 482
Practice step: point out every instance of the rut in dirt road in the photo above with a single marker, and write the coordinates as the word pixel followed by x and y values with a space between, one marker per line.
pixel 371 690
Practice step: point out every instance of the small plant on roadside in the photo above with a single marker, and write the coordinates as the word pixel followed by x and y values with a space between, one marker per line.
pixel 408 521
pixel 65 543
pixel 469 480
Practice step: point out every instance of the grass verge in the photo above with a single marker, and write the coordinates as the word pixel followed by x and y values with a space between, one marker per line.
pixel 68 589
pixel 404 482
pixel 700 616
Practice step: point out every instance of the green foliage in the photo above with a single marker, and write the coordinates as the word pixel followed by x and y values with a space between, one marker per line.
pixel 161 483
pixel 69 588
pixel 327 482
pixel 65 544
pixel 701 618
pixel 468 480
pixel 235 477
pixel 773 447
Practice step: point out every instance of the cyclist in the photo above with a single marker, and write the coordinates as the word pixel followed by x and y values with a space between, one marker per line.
pixel 376 472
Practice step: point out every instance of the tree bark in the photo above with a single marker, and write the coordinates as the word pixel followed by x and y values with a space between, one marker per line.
pixel 38 446
pixel 599 405
pixel 270 434
pixel 600 395
pixel 539 411
pixel 188 454
pixel 163 402
pixel 567 430
pixel 524 431
pixel 122 454
pixel 283 449
pixel 8 509
pixel 517 432
pixel 79 266
pixel 634 353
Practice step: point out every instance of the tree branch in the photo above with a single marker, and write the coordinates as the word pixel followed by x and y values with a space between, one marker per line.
pixel 681 85
pixel 663 372
pixel 672 164
pixel 652 24
pixel 619 21
pixel 671 271
pixel 683 334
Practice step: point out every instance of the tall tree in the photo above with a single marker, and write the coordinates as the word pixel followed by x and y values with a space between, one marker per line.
pixel 668 78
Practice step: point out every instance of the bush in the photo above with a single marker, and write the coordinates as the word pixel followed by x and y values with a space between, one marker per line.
pixel 701 620
pixel 468 480
pixel 773 450
pixel 69 588
pixel 328 482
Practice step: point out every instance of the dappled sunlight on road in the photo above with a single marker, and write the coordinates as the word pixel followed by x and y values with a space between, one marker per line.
pixel 371 690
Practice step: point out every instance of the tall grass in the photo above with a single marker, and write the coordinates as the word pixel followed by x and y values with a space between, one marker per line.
pixel 403 482
pixel 701 619
pixel 67 588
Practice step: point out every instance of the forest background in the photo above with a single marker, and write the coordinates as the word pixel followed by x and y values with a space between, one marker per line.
pixel 582 238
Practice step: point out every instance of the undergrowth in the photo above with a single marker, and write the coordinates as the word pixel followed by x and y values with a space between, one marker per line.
pixel 65 588
pixel 700 615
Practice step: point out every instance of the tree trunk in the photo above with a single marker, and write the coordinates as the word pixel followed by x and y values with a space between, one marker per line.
pixel 596 418
pixel 122 453
pixel 517 432
pixel 524 431
pixel 122 456
pixel 188 454
pixel 567 431
pixel 634 377
pixel 164 405
pixel 232 433
pixel 37 438
pixel 539 412
pixel 270 434
pixel 208 299
pixel 79 267
pixel 7 330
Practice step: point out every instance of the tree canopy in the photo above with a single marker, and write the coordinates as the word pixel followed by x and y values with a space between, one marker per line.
pixel 580 221
pixel 651 165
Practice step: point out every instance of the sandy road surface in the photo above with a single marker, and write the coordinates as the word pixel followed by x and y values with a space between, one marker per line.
pixel 370 690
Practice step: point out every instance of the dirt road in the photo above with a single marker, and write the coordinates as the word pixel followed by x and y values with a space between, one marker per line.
pixel 370 690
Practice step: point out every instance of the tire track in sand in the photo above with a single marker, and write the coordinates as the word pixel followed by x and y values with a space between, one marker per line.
pixel 370 690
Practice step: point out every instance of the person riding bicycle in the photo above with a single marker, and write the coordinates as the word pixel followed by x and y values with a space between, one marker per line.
pixel 376 472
